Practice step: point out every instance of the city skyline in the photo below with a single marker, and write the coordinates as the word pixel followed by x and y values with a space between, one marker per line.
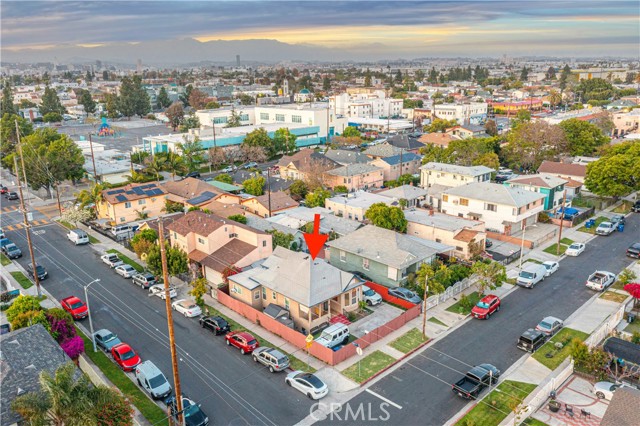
pixel 322 31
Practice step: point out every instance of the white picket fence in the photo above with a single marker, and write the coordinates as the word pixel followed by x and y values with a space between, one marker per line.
pixel 454 290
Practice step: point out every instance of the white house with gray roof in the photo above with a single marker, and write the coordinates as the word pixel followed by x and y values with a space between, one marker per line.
pixel 503 209
pixel 445 174
pixel 413 194
pixel 384 256
pixel 355 205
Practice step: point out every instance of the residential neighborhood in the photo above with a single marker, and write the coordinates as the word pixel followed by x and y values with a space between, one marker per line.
pixel 261 213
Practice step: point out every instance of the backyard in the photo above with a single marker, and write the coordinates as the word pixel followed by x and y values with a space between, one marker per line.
pixel 551 356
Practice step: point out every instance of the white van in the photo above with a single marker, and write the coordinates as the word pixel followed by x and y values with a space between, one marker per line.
pixel 78 236
pixel 127 229
pixel 531 274
pixel 334 335
pixel 152 380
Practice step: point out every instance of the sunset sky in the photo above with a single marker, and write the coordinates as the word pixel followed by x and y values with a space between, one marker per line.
pixel 404 29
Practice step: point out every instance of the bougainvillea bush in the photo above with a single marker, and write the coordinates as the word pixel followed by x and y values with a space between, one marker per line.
pixel 73 346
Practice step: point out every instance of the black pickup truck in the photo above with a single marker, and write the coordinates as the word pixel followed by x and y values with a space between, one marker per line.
pixel 477 378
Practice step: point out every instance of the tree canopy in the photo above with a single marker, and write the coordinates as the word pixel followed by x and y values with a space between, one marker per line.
pixel 87 102
pixel 595 89
pixel 316 198
pixel 51 102
pixel 254 186
pixel 583 137
pixel 175 114
pixel 284 141
pixel 533 142
pixel 162 100
pixel 617 172
pixel 387 217
pixel 133 99
pixel 259 137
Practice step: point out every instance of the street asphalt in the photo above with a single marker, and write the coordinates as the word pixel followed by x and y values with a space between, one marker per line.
pixel 232 389
pixel 422 386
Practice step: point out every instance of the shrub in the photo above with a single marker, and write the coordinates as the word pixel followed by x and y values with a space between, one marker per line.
pixel 73 346
pixel 543 217
pixel 238 218
pixel 141 246
pixel 29 318
pixel 465 303
pixel 62 326
pixel 22 304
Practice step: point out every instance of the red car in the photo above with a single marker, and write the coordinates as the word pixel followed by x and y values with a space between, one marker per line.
pixel 486 306
pixel 242 340
pixel 76 307
pixel 125 357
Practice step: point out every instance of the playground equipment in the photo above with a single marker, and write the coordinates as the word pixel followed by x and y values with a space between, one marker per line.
pixel 105 129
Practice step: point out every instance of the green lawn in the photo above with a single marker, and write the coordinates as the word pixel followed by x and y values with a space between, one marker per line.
pixel 634 327
pixel 553 249
pixel 565 336
pixel 66 224
pixel 4 260
pixel 436 321
pixel 296 363
pixel 368 366
pixel 457 308
pixel 153 413
pixel 409 341
pixel 592 230
pixel 530 421
pixel 93 240
pixel 127 260
pixel 566 241
pixel 22 279
pixel 495 407
pixel 534 261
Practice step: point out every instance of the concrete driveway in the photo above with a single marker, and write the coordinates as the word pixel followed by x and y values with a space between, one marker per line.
pixel 382 314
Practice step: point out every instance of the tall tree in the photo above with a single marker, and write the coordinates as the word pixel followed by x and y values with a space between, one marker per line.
pixel 111 101
pixel 163 101
pixel 555 98
pixel 367 78
pixel 616 173
pixel 316 198
pixel 88 76
pixel 326 84
pixel 192 153
pixel 234 120
pixel 256 154
pixel 9 137
pixel 174 164
pixel 533 142
pixel 7 106
pixel 87 102
pixel 175 114
pixel 186 95
pixel 387 217
pixel 564 77
pixel 197 99
pixel 491 128
pixel 254 185
pixel 51 102
pixel 524 74
pixel 191 121
pixel 595 89
pixel 489 274
pixel 284 141
pixel 155 164
pixel 583 137
pixel 551 73
pixel 133 99
pixel 260 137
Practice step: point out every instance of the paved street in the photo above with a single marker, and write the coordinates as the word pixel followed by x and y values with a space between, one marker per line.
pixel 422 386
pixel 232 389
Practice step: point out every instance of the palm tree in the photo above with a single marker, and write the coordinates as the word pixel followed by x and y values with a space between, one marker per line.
pixel 174 164
pixel 555 98
pixel 92 197
pixel 136 177
pixel 191 153
pixel 62 401
pixel 155 164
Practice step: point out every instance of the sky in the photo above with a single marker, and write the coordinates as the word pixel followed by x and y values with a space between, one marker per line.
pixel 366 28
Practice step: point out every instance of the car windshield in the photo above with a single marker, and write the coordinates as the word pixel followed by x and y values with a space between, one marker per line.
pixel 525 274
pixel 544 325
pixel 483 305
pixel 190 409
pixel 157 381
pixel 313 380
pixel 252 342
pixel 128 355
pixel 574 246
pixel 221 323
pixel 548 266
pixel 108 337
pixel 76 305
pixel 369 293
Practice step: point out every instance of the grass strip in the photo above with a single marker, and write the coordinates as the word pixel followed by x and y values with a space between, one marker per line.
pixel 24 282
pixel 436 321
pixel 465 309
pixel 127 260
pixel 368 366
pixel 409 341
pixel 495 407
pixel 154 414
pixel 564 336
pixel 4 260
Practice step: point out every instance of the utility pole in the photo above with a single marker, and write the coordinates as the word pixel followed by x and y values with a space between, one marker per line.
pixel 564 200
pixel 269 188
pixel 27 226
pixel 424 306
pixel 93 159
pixel 172 340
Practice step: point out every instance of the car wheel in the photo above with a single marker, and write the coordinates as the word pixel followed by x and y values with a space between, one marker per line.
pixel 202 324
pixel 271 369
pixel 368 302
pixel 138 380
pixel 498 308
pixel 489 314
pixel 242 351
pixel 228 343
pixel 255 359
pixel 185 315
pixel 600 395
pixel 309 395
pixel 288 382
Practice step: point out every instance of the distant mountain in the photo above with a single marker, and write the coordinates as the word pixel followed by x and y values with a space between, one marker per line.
pixel 181 51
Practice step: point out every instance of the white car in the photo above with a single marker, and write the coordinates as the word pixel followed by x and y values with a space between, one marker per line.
pixel 158 290
pixel 307 383
pixel 605 390
pixel 111 259
pixel 126 271
pixel 188 308
pixel 575 249
pixel 551 266
pixel 371 297
pixel 228 169
pixel 550 325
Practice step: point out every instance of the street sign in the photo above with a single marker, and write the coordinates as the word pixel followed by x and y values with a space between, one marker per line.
pixel 309 338
pixel 29 216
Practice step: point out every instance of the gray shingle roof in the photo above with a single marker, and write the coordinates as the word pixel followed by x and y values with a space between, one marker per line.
pixel 623 408
pixel 454 168
pixel 353 170
pixel 344 156
pixel 25 353
pixel 382 150
pixel 496 193
pixel 298 277
pixel 407 192
pixel 387 247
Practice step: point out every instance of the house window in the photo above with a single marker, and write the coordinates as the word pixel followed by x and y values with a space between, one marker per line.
pixel 455 177
pixel 256 295
pixel 279 117
pixel 354 297
pixel 141 202
pixel 244 117
pixel 346 299
pixel 286 303
pixel 264 116
pixel 365 264
pixel 127 205
pixel 490 207
pixel 464 202
pixel 460 215
pixel 325 306
pixel 343 256
pixel 219 120
pixel 264 243
pixel 201 240
pixel 122 219
pixel 264 293
pixel 175 235
pixel 234 235
pixel 445 198
pixel 273 295
pixel 459 248
pixel 296 119
pixel 438 240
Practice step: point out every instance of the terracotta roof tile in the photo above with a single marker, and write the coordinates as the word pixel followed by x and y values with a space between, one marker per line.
pixel 227 255
pixel 557 168
pixel 202 223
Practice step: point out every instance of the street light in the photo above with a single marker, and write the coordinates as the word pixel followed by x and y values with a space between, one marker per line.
pixel 522 244
pixel 86 297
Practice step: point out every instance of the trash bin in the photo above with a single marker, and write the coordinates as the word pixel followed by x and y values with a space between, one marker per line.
pixel 620 227
pixel 590 223
pixel 631 318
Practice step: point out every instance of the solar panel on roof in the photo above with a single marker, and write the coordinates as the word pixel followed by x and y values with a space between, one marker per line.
pixel 138 191
pixel 121 198
pixel 157 191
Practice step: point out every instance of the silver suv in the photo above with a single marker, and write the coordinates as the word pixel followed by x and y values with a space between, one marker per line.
pixel 144 280
pixel 272 358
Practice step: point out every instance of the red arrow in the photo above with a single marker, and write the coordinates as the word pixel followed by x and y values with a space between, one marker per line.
pixel 315 241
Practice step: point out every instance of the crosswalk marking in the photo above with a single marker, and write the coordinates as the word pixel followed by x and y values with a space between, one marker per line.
pixel 20 225
pixel 10 209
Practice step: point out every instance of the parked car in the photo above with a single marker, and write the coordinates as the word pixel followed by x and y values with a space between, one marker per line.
pixel 550 325
pixel 250 165
pixel 192 413
pixel 78 236
pixel 11 196
pixel 371 297
pixel 3 189
pixel 552 266
pixel 158 290
pixel 636 207
pixel 188 308
pixel 111 259
pixel 605 390
pixel 125 271
pixel 634 250
pixel 405 294
pixel 151 379
pixel 12 251
pixel 195 175
pixel 486 307
pixel 216 324
pixel 229 169
pixel 272 358
pixel 2 236
pixel 241 340
pixel 474 382
pixel 334 335
pixel 488 243
pixel 575 249
pixel 144 280
pixel 531 274
pixel 76 307
pixel 605 228
pixel 42 273
pixel 600 280
pixel 531 340
pixel 4 242
pixel 125 356
pixel 617 219
pixel 105 339
pixel 307 383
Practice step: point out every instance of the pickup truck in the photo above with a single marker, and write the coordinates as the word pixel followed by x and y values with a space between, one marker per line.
pixel 112 260
pixel 471 385
pixel 600 280
pixel 605 228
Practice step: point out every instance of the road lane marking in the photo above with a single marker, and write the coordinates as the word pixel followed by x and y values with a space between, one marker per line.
pixel 388 401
